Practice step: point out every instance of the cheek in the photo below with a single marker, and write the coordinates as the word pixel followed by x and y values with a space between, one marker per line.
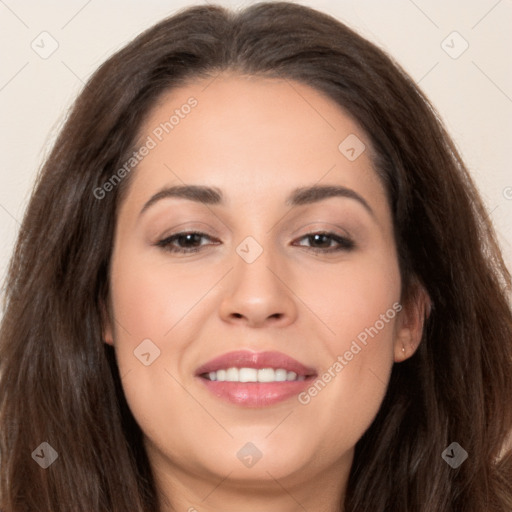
pixel 348 298
pixel 359 304
pixel 152 305
pixel 350 388
pixel 148 307
pixel 150 300
pixel 158 313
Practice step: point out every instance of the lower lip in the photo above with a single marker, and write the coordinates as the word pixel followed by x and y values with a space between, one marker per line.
pixel 256 394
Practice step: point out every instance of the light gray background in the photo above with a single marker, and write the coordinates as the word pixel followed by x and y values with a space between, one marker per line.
pixel 472 92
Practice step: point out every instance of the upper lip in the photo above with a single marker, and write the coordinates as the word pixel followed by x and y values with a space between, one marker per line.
pixel 258 360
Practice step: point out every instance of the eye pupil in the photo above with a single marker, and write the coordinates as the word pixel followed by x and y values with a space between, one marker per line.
pixel 189 239
pixel 320 239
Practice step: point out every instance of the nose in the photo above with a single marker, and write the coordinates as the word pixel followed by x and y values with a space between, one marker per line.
pixel 258 294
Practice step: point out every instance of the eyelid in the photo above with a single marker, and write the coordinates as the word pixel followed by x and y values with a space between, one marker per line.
pixel 320 227
pixel 188 227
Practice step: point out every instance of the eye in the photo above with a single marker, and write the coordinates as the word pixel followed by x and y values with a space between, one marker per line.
pixel 188 242
pixel 326 242
pixel 185 242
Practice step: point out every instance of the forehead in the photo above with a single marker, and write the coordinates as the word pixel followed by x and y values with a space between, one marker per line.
pixel 255 138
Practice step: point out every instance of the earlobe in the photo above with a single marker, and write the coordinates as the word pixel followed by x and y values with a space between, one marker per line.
pixel 107 336
pixel 106 326
pixel 410 324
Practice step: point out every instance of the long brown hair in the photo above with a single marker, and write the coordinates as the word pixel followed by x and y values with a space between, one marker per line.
pixel 59 381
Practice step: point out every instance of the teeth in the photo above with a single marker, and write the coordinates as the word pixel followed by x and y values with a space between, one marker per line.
pixel 266 375
pixel 248 374
pixel 232 375
pixel 254 375
pixel 280 375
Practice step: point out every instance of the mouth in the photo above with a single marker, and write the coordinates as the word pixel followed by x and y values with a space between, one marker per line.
pixel 255 379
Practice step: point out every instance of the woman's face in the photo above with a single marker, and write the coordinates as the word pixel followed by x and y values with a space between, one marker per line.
pixel 293 263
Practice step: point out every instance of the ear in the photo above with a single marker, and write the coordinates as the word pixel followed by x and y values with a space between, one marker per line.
pixel 410 323
pixel 106 325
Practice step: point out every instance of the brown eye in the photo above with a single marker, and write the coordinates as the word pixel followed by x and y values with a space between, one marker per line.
pixel 186 242
pixel 328 242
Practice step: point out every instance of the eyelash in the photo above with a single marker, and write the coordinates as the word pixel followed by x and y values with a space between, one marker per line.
pixel 345 244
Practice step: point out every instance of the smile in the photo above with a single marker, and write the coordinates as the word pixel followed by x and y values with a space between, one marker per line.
pixel 253 379
pixel 253 375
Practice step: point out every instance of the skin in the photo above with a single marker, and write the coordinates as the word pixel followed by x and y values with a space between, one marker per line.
pixel 256 140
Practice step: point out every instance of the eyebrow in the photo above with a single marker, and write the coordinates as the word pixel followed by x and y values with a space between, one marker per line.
pixel 298 197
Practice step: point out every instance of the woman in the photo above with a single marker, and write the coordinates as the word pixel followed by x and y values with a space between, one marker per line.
pixel 255 274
